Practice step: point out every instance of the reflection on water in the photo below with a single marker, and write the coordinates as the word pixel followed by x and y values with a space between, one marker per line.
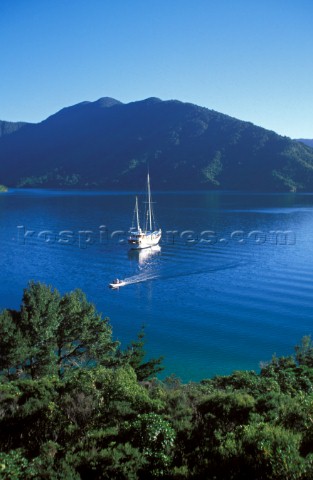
pixel 143 255
pixel 144 259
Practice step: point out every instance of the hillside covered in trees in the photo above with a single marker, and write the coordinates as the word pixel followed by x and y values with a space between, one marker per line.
pixel 9 127
pixel 73 405
pixel 109 145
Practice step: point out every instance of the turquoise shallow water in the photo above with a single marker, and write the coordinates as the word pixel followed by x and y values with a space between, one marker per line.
pixel 224 292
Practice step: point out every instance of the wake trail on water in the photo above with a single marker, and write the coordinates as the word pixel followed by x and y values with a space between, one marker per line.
pixel 145 277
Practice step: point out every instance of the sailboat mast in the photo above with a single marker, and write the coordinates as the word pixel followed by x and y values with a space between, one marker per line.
pixel 137 214
pixel 149 204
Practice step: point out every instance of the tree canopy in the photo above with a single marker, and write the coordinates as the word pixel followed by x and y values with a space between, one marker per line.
pixel 51 333
pixel 73 405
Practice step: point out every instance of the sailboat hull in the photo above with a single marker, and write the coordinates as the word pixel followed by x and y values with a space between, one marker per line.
pixel 144 240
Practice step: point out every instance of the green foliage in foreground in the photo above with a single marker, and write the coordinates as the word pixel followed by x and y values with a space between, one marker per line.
pixel 3 188
pixel 74 406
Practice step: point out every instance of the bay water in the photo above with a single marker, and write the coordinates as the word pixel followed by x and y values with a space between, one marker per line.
pixel 230 285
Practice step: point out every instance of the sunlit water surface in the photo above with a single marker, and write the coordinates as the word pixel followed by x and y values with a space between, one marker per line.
pixel 211 302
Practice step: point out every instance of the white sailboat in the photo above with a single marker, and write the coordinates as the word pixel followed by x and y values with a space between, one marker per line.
pixel 149 236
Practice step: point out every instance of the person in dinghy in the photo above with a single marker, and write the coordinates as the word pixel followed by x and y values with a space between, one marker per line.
pixel 117 283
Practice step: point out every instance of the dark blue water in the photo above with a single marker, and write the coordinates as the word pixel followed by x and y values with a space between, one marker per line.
pixel 211 302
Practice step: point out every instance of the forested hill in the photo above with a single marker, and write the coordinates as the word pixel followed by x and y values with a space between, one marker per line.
pixel 9 127
pixel 107 144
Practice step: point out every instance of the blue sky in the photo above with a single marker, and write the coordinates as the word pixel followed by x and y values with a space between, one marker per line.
pixel 249 59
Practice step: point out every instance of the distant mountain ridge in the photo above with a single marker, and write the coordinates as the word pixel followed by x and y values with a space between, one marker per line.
pixel 306 141
pixel 110 145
